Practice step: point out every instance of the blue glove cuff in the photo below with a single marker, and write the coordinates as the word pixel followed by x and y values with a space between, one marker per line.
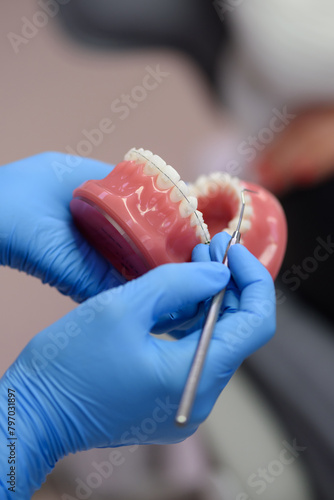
pixel 30 445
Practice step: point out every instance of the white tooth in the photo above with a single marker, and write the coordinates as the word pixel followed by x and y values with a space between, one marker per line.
pixel 248 211
pixel 148 154
pixel 199 231
pixel 166 181
pixel 180 191
pixel 130 155
pixel 202 185
pixel 236 180
pixel 214 186
pixel 150 169
pixel 245 224
pixel 202 179
pixel 228 230
pixel 193 220
pixel 236 185
pixel 159 162
pixel 183 187
pixel 163 182
pixel 170 172
pixel 188 206
pixel 233 223
pixel 221 177
pixel 196 218
pixel 203 232
pixel 203 189
pixel 200 216
pixel 193 191
pixel 127 156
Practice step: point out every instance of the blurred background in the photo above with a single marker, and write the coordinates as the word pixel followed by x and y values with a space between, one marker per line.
pixel 225 69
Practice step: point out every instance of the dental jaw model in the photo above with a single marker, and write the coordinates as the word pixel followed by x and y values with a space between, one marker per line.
pixel 263 227
pixel 142 215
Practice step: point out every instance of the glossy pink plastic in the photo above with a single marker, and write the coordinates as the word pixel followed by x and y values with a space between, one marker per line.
pixel 131 221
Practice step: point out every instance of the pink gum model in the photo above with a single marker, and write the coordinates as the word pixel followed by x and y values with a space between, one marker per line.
pixel 264 227
pixel 142 215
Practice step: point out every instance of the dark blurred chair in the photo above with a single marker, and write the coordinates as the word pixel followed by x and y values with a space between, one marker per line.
pixel 191 26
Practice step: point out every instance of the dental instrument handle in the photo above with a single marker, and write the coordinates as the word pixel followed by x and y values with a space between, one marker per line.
pixel 194 376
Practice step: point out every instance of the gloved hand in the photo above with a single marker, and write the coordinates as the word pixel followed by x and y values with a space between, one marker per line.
pixel 97 378
pixel 37 233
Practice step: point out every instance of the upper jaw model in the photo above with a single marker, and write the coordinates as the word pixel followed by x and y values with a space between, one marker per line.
pixel 142 215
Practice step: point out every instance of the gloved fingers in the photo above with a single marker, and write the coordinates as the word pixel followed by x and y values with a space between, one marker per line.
pixel 218 246
pixel 247 324
pixel 74 267
pixel 235 337
pixel 172 287
pixel 201 253
pixel 179 322
pixel 56 173
pixel 231 300
pixel 213 252
pixel 98 276
pixel 70 171
pixel 251 277
pixel 253 324
pixel 240 334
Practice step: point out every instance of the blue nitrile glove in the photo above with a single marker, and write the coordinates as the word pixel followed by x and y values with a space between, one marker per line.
pixel 97 378
pixel 37 233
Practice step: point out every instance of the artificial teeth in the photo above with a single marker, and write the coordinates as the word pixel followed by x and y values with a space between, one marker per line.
pixel 188 206
pixel 138 155
pixel 248 212
pixel 221 177
pixel 148 154
pixel 245 224
pixel 158 162
pixel 150 169
pixel 203 232
pixel 167 177
pixel 179 191
pixel 163 182
pixel 202 185
pixel 196 218
pixel 130 155
pixel 248 199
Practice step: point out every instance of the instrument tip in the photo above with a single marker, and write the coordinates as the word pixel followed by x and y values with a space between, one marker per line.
pixel 181 420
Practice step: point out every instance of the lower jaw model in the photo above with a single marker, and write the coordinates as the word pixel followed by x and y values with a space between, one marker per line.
pixel 142 215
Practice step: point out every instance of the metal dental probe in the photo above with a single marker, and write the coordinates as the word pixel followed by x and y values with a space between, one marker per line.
pixel 193 379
